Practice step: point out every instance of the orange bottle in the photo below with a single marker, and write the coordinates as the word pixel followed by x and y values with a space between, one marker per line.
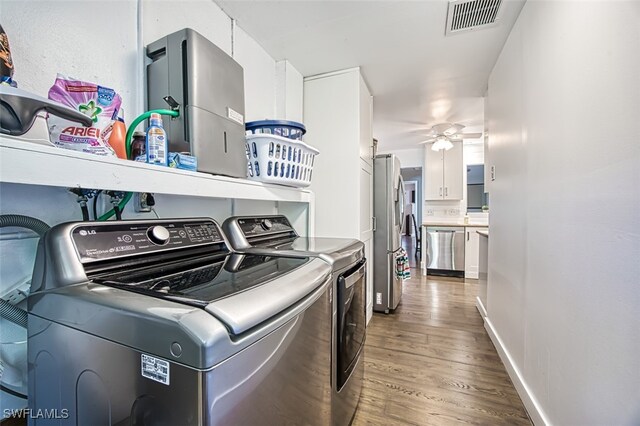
pixel 117 138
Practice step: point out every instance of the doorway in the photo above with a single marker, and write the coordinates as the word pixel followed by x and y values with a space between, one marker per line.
pixel 410 208
pixel 411 241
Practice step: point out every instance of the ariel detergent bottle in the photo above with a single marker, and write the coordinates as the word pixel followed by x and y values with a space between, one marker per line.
pixel 157 145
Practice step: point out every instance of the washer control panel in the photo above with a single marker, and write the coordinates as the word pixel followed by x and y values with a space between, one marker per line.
pixel 102 241
pixel 255 226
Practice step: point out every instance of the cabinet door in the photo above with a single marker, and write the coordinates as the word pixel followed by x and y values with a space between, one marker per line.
pixel 433 174
pixel 453 172
pixel 332 118
pixel 471 252
pixel 366 123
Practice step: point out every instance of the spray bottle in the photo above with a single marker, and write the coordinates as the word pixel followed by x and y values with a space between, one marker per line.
pixel 157 144
pixel 117 137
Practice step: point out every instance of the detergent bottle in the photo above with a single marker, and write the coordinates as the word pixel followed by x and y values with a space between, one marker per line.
pixel 117 137
pixel 157 144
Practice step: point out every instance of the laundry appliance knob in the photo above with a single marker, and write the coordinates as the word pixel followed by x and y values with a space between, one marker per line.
pixel 158 235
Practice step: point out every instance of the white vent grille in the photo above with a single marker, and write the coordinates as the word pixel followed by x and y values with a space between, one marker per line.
pixel 465 15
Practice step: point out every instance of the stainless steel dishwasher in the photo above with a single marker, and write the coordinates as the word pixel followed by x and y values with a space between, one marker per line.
pixel 445 250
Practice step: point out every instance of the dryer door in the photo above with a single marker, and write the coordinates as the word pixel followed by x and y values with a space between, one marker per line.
pixel 351 320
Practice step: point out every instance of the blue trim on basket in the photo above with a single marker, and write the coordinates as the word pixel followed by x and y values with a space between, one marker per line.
pixel 275 123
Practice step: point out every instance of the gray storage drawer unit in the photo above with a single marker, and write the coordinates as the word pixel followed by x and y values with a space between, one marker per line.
pixel 209 87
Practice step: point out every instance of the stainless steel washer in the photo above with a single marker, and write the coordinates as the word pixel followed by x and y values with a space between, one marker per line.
pixel 156 322
pixel 269 235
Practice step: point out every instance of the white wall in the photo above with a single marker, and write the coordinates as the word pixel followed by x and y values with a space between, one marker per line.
pixel 116 59
pixel 289 92
pixel 160 18
pixel 48 37
pixel 563 297
pixel 259 77
pixel 408 157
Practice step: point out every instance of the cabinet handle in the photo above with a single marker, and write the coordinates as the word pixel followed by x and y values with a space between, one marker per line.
pixel 441 191
pixel 467 235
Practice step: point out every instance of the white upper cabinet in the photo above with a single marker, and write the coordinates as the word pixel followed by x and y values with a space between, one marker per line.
pixel 433 174
pixel 337 114
pixel 444 173
pixel 366 122
pixel 453 172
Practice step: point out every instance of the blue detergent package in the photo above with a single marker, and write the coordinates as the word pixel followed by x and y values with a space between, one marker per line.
pixel 179 160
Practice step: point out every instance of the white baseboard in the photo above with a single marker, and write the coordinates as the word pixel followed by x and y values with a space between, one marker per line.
pixel 481 308
pixel 528 399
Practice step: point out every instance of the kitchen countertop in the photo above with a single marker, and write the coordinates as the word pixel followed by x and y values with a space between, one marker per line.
pixel 484 233
pixel 455 222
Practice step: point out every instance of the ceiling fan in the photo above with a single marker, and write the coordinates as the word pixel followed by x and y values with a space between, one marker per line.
pixel 444 134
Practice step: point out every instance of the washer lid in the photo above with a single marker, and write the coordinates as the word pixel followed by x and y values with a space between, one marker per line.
pixel 202 280
pixel 274 234
pixel 245 310
pixel 338 252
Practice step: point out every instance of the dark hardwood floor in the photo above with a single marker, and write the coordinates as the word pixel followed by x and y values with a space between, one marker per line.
pixel 432 363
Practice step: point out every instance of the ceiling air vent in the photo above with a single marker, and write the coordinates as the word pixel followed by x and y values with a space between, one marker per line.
pixel 466 15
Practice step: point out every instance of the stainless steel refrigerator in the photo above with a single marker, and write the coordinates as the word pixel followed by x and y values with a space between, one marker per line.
pixel 388 211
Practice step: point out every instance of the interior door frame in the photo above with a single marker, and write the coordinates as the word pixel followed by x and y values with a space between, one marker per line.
pixel 415 184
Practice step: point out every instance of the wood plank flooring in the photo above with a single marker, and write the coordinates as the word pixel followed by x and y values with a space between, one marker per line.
pixel 432 363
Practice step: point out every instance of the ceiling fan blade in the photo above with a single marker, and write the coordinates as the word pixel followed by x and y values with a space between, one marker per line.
pixel 469 135
pixel 441 127
pixel 428 141
pixel 424 132
pixel 447 129
pixel 453 129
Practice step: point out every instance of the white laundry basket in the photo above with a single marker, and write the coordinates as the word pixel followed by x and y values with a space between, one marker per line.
pixel 276 159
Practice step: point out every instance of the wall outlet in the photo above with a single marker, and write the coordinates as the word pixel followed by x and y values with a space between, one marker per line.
pixel 454 212
pixel 143 202
pixel 429 212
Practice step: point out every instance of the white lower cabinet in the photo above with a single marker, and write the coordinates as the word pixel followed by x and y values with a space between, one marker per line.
pixel 471 252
